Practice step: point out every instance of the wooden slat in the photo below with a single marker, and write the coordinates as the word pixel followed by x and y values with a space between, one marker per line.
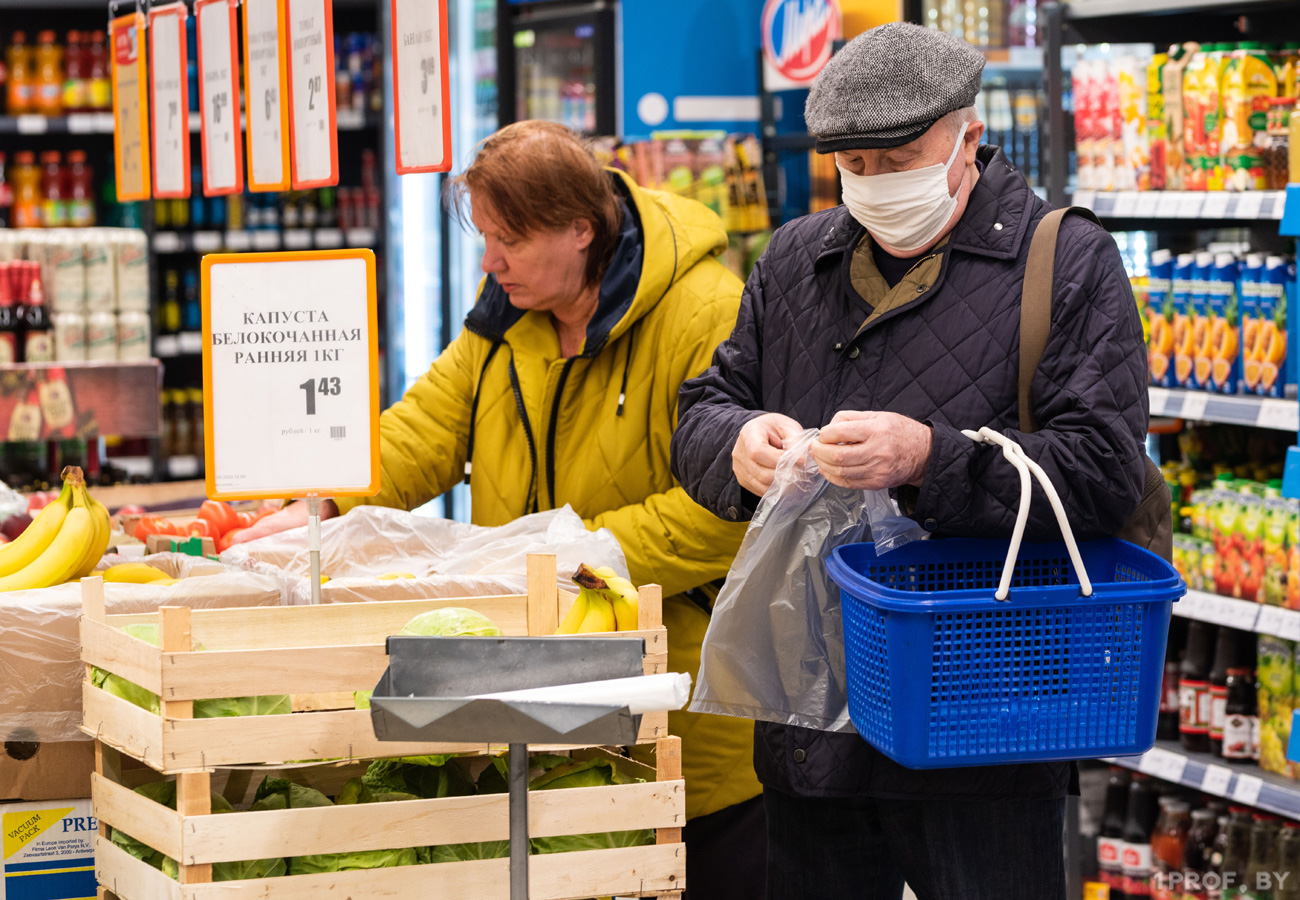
pixel 414 823
pixel 288 670
pixel 668 766
pixel 174 639
pixel 92 597
pixel 130 878
pixel 108 765
pixel 123 726
pixel 543 595
pixel 194 804
pixel 115 651
pixel 627 871
pixel 650 607
pixel 138 816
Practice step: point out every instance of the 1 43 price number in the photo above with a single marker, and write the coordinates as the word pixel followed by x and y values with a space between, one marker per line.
pixel 326 387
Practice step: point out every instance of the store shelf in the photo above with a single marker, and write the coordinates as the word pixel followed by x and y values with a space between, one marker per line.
pixel 1186 207
pixel 77 123
pixel 1092 9
pixel 1243 615
pixel 1202 406
pixel 170 346
pixel 1246 784
pixel 209 241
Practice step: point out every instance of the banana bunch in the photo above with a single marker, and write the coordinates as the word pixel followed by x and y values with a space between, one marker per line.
pixel 65 541
pixel 136 573
pixel 606 602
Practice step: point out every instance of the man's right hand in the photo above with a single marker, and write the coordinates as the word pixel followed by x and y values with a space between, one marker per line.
pixel 759 448
pixel 292 516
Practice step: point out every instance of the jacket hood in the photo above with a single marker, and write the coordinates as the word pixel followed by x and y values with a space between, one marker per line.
pixel 661 238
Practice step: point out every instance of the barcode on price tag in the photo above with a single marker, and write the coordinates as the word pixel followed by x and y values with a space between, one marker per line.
pixel 223 152
pixel 1215 780
pixel 1247 789
pixel 313 123
pixel 1162 763
pixel 420 87
pixel 338 432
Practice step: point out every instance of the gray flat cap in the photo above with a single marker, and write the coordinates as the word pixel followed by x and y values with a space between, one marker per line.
pixel 889 85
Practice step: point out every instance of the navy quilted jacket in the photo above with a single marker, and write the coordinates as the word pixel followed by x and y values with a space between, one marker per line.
pixel 948 358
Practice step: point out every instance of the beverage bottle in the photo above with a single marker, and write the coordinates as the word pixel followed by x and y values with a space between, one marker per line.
pixel 99 94
pixel 54 206
pixel 1218 852
pixel 170 311
pixel 27 191
pixel 1288 861
pixel 6 197
pixel 22 82
pixel 1197 855
pixel 133 335
pixel 8 339
pixel 76 84
pixel 1263 863
pixel 1236 851
pixel 1168 848
pixel 1241 721
pixel 1110 838
pixel 1167 720
pixel 38 331
pixel 1135 854
pixel 70 336
pixel 1225 655
pixel 81 191
pixel 49 75
pixel 1194 688
pixel 191 309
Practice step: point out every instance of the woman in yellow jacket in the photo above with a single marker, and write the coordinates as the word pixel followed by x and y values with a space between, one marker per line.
pixel 600 299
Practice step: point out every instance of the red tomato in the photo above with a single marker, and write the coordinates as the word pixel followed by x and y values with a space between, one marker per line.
pixel 201 528
pixel 224 542
pixel 246 519
pixel 155 525
pixel 219 515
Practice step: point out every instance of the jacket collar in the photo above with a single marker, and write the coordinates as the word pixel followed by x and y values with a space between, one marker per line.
pixel 994 224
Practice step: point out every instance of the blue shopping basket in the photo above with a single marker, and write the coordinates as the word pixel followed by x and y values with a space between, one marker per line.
pixel 941 673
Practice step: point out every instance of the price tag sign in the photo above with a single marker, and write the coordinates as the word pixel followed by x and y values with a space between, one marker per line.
pixel 266 80
pixel 1279 205
pixel 1083 199
pixel 1189 205
pixel 1167 208
pixel 1250 204
pixel 1126 203
pixel 1147 205
pixel 169 100
pixel 1215 205
pixel 291 374
pixel 1276 621
pixel 1247 789
pixel 1159 400
pixel 1216 780
pixel 1241 614
pixel 130 107
pixel 1161 763
pixel 420 86
pixel 223 154
pixel 313 121
pixel 1194 403
pixel 1283 415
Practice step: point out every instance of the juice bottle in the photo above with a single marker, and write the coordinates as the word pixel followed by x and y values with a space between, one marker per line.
pixel 1250 528
pixel 1199 307
pixel 49 75
pixel 1160 308
pixel 100 91
pixel 1285 66
pixel 1085 116
pixel 27 190
pixel 1275 525
pixel 1225 325
pixel 1252 272
pixel 1292 553
pixel 1133 156
pixel 75 83
pixel 22 80
pixel 1249 84
pixel 1184 356
pixel 81 191
pixel 54 206
pixel 1156 132
pixel 1200 115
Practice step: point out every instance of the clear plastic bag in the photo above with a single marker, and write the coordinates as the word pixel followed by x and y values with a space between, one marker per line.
pixel 774 650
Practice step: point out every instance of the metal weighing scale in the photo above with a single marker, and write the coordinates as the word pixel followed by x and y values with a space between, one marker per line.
pixel 430 693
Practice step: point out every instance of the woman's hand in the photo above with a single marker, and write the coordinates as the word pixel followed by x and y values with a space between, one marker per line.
pixel 758 449
pixel 872 450
pixel 292 516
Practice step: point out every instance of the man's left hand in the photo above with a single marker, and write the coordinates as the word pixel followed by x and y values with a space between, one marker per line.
pixel 872 450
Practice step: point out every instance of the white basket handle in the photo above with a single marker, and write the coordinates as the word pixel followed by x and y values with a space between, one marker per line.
pixel 1016 455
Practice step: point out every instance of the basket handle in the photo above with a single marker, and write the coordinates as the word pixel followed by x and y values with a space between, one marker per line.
pixel 1016 455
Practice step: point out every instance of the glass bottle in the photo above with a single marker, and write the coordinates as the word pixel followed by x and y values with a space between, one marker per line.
pixel 75 81
pixel 100 91
pixel 49 75
pixel 1288 861
pixel 54 206
pixel 1194 688
pixel 27 191
pixel 1263 864
pixel 1198 853
pixel 1236 851
pixel 1110 839
pixel 1143 808
pixel 1241 721
pixel 22 81
pixel 1169 845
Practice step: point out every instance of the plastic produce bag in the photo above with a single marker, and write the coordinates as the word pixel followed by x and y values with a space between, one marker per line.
pixel 774 650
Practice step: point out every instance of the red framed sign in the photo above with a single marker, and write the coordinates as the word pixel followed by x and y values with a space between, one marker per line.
pixel 169 101
pixel 130 107
pixel 266 83
pixel 313 119
pixel 421 89
pixel 223 152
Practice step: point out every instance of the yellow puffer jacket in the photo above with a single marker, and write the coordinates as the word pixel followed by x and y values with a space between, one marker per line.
pixel 593 431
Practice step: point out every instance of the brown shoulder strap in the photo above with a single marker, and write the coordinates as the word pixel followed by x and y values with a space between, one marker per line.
pixel 1036 304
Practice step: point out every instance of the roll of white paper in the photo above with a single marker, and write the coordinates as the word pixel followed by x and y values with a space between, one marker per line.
pixel 640 694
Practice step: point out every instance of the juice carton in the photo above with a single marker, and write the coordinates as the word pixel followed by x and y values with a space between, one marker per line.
pixel 1199 312
pixel 1133 164
pixel 1181 295
pixel 1086 106
pixel 1160 314
pixel 1273 592
pixel 1248 291
pixel 1225 326
pixel 1209 564
pixel 1201 498
pixel 1250 531
pixel 1200 117
pixel 1275 668
pixel 1270 348
pixel 1181 557
pixel 1172 77
pixel 1157 134
pixel 1225 529
pixel 1249 83
pixel 1292 553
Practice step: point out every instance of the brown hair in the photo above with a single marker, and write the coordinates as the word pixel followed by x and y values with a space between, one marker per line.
pixel 540 176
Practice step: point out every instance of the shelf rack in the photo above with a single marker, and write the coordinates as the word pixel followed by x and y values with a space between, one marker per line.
pixel 1246 784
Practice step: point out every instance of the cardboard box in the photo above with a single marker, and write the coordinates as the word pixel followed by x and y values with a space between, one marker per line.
pixel 50 771
pixel 49 851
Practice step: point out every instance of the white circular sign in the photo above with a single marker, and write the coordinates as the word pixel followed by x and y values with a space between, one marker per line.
pixel 653 109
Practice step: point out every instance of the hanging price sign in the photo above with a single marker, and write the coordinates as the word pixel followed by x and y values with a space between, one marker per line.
pixel 313 121
pixel 223 154
pixel 266 79
pixel 420 86
pixel 169 100
pixel 130 107
pixel 291 374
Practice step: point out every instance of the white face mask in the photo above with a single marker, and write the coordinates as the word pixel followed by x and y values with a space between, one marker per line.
pixel 905 210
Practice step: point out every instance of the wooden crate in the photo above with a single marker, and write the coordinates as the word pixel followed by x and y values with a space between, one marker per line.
pixel 197 839
pixel 318 654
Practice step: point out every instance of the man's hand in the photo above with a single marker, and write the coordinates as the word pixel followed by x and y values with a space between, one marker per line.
pixel 872 450
pixel 759 448
pixel 292 516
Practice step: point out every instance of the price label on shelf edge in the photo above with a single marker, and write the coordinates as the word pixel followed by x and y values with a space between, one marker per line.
pixel 1247 789
pixel 313 121
pixel 1194 403
pixel 266 76
pixel 1249 205
pixel 1215 205
pixel 169 100
pixel 291 375
pixel 1163 764
pixel 1215 781
pixel 1084 199
pixel 223 154
pixel 1189 205
pixel 1170 201
pixel 1126 204
pixel 1283 415
pixel 1147 204
pixel 127 54
pixel 420 86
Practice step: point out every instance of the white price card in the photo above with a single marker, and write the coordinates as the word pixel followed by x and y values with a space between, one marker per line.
pixel 1170 201
pixel 169 100
pixel 420 86
pixel 291 374
pixel 266 81
pixel 1189 205
pixel 1147 205
pixel 1215 205
pixel 1283 415
pixel 1279 205
pixel 1249 204
pixel 1247 789
pixel 130 107
pixel 313 123
pixel 1194 403
pixel 1279 622
pixel 1230 612
pixel 1126 203
pixel 1215 781
pixel 223 153
pixel 1083 199
pixel 1159 400
pixel 1162 763
pixel 207 241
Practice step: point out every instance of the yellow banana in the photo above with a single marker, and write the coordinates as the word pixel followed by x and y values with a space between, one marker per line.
pixel 600 615
pixel 60 560
pixel 134 573
pixel 39 534
pixel 577 612
pixel 617 591
pixel 393 576
pixel 103 528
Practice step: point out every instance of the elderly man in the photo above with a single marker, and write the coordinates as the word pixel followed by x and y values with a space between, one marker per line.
pixel 892 323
